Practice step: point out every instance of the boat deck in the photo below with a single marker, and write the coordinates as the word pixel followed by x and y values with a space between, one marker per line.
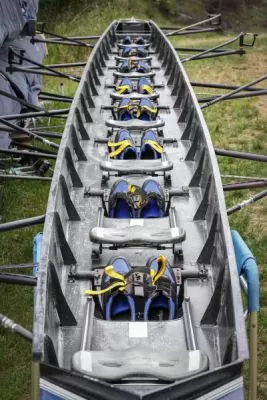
pixel 80 238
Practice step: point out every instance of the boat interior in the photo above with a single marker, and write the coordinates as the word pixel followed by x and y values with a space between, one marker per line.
pixel 137 182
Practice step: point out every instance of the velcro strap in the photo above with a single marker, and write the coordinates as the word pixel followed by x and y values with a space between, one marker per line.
pixel 147 89
pixel 145 108
pixel 121 147
pixel 123 89
pixel 155 145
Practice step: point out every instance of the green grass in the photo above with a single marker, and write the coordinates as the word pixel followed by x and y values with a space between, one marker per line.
pixel 240 125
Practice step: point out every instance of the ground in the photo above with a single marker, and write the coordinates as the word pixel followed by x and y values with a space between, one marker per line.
pixel 238 124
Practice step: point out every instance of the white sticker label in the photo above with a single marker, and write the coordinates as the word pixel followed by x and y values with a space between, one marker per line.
pixel 86 361
pixel 136 222
pixel 194 360
pixel 174 232
pixel 100 232
pixel 138 329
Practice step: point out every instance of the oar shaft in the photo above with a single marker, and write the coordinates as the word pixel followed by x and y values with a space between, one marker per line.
pixel 9 324
pixel 245 203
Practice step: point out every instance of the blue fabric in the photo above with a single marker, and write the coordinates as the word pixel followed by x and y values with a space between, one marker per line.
pixel 146 102
pixel 127 40
pixel 146 151
pixel 160 301
pixel 146 115
pixel 124 115
pixel 141 52
pixel 47 395
pixel 237 394
pixel 121 209
pixel 129 51
pixel 37 244
pixel 120 302
pixel 126 51
pixel 127 81
pixel 142 67
pixel 131 151
pixel 152 210
pixel 124 66
pixel 151 186
pixel 140 40
pixel 247 267
pixel 141 82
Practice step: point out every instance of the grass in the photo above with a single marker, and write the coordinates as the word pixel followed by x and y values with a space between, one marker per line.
pixel 239 124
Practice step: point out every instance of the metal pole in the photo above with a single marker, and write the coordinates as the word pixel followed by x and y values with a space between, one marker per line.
pixel 73 78
pixel 29 133
pixel 35 381
pixel 63 42
pixel 7 129
pixel 245 203
pixel 25 280
pixel 213 55
pixel 193 49
pixel 22 223
pixel 48 134
pixel 31 148
pixel 56 95
pixel 227 95
pixel 40 72
pixel 21 101
pixel 16 266
pixel 196 56
pixel 193 31
pixel 244 185
pixel 34 154
pixel 253 359
pixel 9 324
pixel 220 86
pixel 188 324
pixel 26 177
pixel 75 37
pixel 261 92
pixel 194 25
pixel 52 98
pixel 74 41
pixel 46 113
pixel 238 154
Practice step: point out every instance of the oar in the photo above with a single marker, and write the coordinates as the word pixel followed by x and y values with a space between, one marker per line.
pixel 245 203
pixel 29 133
pixel 9 324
